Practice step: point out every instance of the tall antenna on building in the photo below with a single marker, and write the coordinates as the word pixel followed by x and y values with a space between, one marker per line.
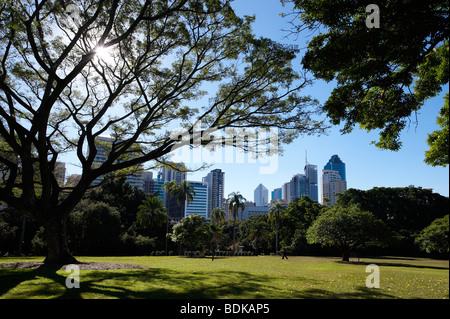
pixel 306 157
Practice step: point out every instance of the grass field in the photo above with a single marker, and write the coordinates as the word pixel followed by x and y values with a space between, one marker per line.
pixel 263 277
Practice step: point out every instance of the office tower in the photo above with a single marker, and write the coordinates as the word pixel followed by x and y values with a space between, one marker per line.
pixel 216 183
pixel 332 186
pixel 312 181
pixel 298 187
pixel 199 205
pixel 157 189
pixel 286 192
pixel 277 194
pixel 333 180
pixel 174 210
pixel 261 195
pixel 104 145
pixel 147 179
pixel 336 164
pixel 168 174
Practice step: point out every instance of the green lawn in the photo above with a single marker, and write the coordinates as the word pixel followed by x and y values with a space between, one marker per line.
pixel 237 277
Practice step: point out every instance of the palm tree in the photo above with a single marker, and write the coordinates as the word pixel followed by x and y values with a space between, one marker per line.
pixel 276 211
pixel 216 236
pixel 185 192
pixel 152 212
pixel 258 232
pixel 235 201
pixel 218 215
pixel 182 192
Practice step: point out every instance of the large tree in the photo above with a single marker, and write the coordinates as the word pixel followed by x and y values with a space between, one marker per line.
pixel 384 73
pixel 275 215
pixel 133 70
pixel 347 228
pixel 235 201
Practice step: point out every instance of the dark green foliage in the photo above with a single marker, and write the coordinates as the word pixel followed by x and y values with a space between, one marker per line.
pixel 122 196
pixel 439 141
pixel 59 92
pixel 434 238
pixel 298 217
pixel 7 236
pixel 95 229
pixel 406 211
pixel 385 74
pixel 255 234
pixel 347 228
pixel 193 232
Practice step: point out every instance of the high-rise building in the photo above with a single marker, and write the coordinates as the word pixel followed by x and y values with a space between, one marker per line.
pixel 199 205
pixel 298 187
pixel 174 210
pixel 261 195
pixel 104 145
pixel 277 194
pixel 286 192
pixel 302 185
pixel 312 181
pixel 157 189
pixel 216 183
pixel 333 180
pixel 336 164
pixel 147 179
pixel 172 175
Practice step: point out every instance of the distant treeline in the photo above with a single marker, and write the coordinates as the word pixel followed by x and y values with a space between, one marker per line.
pixel 104 223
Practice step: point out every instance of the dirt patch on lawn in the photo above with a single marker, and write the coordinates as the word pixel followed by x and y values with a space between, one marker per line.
pixel 84 266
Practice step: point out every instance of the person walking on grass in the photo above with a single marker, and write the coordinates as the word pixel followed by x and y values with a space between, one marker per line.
pixel 284 253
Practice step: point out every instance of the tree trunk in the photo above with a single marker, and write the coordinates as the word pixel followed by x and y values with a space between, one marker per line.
pixel 345 254
pixel 234 236
pixel 57 248
pixel 276 238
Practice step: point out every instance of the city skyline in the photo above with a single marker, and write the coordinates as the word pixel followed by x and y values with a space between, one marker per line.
pixel 370 166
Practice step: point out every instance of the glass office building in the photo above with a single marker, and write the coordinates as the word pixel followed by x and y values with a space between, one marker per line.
pixel 336 164
pixel 199 205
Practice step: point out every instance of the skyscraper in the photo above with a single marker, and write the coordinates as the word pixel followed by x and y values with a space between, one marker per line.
pixel 286 192
pixel 216 183
pixel 312 181
pixel 277 194
pixel 168 174
pixel 261 195
pixel 336 164
pixel 298 187
pixel 104 145
pixel 174 210
pixel 333 180
pixel 199 205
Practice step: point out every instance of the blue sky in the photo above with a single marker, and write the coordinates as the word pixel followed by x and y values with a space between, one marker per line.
pixel 366 166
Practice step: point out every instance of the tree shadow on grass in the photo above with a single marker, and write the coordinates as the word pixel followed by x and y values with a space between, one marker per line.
pixel 128 284
pixel 159 283
pixel 394 264
pixel 359 293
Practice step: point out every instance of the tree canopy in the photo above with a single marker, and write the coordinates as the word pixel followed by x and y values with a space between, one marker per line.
pixel 434 238
pixel 384 75
pixel 347 228
pixel 72 71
